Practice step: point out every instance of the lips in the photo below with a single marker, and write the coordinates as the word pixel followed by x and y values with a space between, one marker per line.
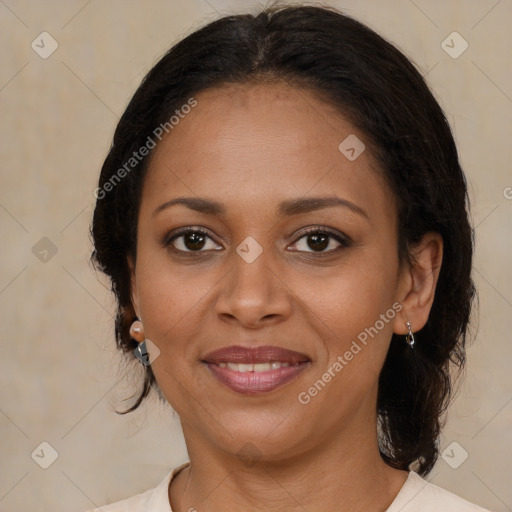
pixel 246 355
pixel 255 370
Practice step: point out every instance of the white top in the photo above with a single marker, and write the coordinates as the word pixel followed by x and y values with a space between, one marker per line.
pixel 416 495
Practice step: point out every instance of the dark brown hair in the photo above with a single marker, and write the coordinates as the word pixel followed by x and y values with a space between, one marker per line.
pixel 378 89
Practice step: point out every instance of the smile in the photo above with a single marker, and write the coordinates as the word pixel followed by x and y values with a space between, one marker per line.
pixel 252 371
pixel 258 367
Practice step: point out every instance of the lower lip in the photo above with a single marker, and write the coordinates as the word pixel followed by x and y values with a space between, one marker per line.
pixel 255 383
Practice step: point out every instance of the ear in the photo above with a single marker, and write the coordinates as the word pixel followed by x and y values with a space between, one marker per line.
pixel 133 286
pixel 417 283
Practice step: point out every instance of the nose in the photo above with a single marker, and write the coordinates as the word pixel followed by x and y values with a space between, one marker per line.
pixel 253 294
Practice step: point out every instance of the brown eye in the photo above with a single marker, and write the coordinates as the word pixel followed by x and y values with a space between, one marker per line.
pixel 318 240
pixel 191 240
pixel 194 241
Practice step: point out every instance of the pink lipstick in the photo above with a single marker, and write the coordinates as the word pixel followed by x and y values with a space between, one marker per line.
pixel 255 370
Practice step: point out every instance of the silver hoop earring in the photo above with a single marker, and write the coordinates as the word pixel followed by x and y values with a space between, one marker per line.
pixel 409 337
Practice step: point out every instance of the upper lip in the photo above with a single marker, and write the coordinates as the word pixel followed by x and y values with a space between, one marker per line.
pixel 254 355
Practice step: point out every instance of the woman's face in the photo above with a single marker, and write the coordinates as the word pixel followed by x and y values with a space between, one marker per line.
pixel 260 166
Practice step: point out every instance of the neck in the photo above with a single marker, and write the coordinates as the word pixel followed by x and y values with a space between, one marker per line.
pixel 346 473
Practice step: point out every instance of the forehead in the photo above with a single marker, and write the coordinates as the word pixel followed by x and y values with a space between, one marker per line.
pixel 262 142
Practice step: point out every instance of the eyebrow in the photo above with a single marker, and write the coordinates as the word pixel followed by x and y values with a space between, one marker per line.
pixel 286 208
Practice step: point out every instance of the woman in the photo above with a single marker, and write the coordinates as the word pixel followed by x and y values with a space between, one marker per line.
pixel 284 220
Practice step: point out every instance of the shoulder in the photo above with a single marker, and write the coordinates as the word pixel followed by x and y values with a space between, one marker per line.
pixel 138 503
pixel 418 495
pixel 156 499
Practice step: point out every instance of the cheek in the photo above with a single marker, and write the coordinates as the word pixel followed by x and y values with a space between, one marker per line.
pixel 173 310
pixel 172 300
pixel 351 296
pixel 355 308
pixel 171 306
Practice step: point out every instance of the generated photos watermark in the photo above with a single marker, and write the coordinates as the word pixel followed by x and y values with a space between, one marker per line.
pixel 144 150
pixel 305 397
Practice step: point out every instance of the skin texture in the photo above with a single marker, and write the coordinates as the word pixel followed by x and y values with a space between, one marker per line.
pixel 251 147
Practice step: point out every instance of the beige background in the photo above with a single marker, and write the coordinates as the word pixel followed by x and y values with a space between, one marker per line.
pixel 59 370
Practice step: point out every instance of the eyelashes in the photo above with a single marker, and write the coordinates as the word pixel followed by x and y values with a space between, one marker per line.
pixel 194 240
pixel 199 236
pixel 319 235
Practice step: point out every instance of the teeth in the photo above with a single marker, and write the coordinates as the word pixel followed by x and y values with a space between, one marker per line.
pixel 257 367
pixel 241 367
pixel 265 367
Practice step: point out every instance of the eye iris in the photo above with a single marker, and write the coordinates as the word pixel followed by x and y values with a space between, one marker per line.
pixel 194 241
pixel 318 241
